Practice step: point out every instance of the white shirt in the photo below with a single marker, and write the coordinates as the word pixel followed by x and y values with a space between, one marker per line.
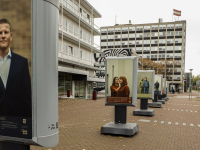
pixel 5 67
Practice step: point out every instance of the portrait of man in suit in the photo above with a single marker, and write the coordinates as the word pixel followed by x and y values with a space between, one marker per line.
pixel 15 83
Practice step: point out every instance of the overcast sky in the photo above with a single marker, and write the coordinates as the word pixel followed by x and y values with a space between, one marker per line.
pixel 148 11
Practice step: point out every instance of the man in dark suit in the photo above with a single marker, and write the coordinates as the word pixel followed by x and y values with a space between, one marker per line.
pixel 15 84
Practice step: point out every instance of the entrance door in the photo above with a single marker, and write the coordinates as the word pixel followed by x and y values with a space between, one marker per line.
pixel 80 89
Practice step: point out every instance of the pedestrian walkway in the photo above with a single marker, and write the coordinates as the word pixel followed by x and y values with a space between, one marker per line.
pixel 175 125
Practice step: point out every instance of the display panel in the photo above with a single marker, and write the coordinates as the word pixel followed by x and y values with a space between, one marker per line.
pixel 15 69
pixel 164 86
pixel 145 84
pixel 121 81
pixel 158 83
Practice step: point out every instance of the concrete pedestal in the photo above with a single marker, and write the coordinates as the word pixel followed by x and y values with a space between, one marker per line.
pixel 120 127
pixel 155 104
pixel 165 99
pixel 147 112
pixel 161 101
pixel 128 129
pixel 143 111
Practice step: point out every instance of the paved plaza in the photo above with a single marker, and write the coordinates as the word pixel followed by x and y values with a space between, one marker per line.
pixel 174 126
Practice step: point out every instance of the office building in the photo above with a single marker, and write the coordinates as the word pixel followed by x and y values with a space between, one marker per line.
pixel 76 49
pixel 162 42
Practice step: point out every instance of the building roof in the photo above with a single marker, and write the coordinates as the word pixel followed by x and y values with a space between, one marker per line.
pixel 88 6
pixel 127 25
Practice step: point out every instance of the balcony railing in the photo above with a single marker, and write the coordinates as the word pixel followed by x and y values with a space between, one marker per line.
pixel 77 13
pixel 76 35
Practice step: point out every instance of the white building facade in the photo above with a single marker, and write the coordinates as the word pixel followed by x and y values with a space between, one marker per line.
pixel 76 48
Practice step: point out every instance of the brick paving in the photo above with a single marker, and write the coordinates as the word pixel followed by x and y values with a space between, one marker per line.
pixel 174 126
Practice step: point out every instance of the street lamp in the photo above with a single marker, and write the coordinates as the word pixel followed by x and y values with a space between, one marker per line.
pixel 190 84
pixel 183 83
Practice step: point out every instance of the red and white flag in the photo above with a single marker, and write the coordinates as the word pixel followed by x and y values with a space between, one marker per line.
pixel 176 12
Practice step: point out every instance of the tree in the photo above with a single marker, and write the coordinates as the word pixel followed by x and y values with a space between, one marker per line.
pixel 195 78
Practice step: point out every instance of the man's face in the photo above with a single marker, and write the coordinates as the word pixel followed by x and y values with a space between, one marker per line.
pixel 142 79
pixel 145 79
pixel 5 36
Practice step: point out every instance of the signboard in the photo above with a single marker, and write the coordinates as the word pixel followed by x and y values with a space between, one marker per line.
pixel 145 84
pixel 121 81
pixel 28 72
pixel 158 83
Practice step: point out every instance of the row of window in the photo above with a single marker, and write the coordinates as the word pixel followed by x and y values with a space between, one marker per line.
pixel 140 42
pixel 73 29
pixel 170 55
pixel 141 28
pixel 72 51
pixel 141 35
pixel 160 48
pixel 70 4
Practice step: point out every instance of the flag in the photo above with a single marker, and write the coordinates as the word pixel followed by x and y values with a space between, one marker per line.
pixel 176 12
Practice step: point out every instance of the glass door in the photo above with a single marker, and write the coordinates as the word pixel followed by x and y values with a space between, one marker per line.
pixel 80 89
pixel 89 90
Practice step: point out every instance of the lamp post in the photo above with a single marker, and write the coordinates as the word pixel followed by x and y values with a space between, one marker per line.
pixel 190 84
pixel 183 83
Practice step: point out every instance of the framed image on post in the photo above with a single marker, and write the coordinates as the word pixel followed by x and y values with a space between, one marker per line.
pixel 121 81
pixel 158 83
pixel 145 84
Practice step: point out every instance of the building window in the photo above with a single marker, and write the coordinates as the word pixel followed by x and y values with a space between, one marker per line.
pixel 110 36
pixel 154 48
pixel 146 41
pixel 131 28
pixel 124 35
pixel 124 42
pixel 125 29
pixel 71 51
pixel 170 26
pixel 139 35
pixel 103 37
pixel 65 48
pixel 75 52
pixel 131 35
pixel 110 30
pixel 162 26
pixel 170 41
pixel 118 36
pixel 162 41
pixel 131 42
pixel 154 34
pixel 103 30
pixel 81 32
pixel 170 48
pixel 65 25
pixel 59 48
pixel 178 40
pixel 178 25
pixel 103 43
pixel 170 33
pixel 117 29
pixel 154 27
pixel 70 27
pixel 178 33
pixel 81 56
pixel 162 33
pixel 139 28
pixel 154 41
pixel 110 43
pixel 146 27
